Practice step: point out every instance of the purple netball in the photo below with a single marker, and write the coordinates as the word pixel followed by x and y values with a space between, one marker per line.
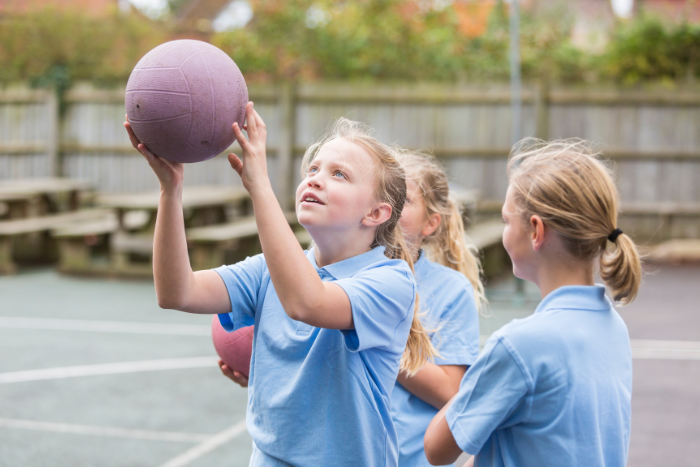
pixel 182 98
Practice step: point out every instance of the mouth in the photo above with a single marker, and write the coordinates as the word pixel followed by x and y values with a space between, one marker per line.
pixel 310 198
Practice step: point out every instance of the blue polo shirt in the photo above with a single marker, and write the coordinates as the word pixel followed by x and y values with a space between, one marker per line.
pixel 322 396
pixel 551 389
pixel 447 299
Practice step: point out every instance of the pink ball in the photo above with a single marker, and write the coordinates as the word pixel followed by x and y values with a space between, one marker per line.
pixel 182 98
pixel 234 348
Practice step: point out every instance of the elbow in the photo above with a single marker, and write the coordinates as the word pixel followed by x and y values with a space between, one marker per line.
pixel 431 454
pixel 167 302
pixel 429 447
pixel 300 310
pixel 435 458
pixel 296 313
pixel 437 451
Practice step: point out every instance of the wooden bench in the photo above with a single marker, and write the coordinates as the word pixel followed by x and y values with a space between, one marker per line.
pixel 11 230
pixel 214 245
pixel 488 237
pixel 467 201
pixel 82 245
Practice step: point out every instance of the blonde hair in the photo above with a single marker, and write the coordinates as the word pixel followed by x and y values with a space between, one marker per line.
pixel 573 192
pixel 448 245
pixel 391 189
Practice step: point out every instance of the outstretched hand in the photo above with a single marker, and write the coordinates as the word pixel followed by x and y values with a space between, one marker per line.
pixel 253 167
pixel 234 376
pixel 170 174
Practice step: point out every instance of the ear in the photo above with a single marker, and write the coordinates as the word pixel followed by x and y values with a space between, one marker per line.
pixel 537 232
pixel 379 214
pixel 432 225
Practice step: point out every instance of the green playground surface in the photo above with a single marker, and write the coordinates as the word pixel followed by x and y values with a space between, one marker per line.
pixel 94 373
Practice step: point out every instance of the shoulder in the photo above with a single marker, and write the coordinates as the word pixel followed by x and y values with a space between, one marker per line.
pixel 445 288
pixel 389 268
pixel 538 328
pixel 436 274
pixel 252 264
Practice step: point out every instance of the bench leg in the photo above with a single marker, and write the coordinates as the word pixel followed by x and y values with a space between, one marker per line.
pixel 206 255
pixel 7 266
pixel 74 255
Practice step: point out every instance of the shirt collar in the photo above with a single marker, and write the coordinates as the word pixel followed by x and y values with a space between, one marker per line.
pixel 422 263
pixel 347 267
pixel 579 297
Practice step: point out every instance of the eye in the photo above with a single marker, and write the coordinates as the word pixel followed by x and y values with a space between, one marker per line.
pixel 313 170
pixel 339 173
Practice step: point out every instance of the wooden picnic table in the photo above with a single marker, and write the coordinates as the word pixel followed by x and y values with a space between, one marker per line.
pixel 131 241
pixel 203 205
pixel 31 197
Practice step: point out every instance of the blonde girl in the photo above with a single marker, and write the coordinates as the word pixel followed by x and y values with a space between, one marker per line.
pixel 332 325
pixel 554 388
pixel 450 290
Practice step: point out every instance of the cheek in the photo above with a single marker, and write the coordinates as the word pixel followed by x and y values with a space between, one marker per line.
pixel 408 220
pixel 510 242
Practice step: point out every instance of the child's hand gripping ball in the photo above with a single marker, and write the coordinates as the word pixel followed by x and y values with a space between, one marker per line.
pixel 182 99
pixel 234 348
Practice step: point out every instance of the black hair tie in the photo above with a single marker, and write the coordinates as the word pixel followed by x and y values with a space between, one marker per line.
pixel 613 236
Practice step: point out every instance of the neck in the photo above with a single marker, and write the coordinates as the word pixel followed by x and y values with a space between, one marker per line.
pixel 562 273
pixel 332 246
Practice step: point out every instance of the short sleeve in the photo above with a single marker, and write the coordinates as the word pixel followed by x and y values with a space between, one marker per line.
pixel 457 338
pixel 493 394
pixel 243 282
pixel 382 299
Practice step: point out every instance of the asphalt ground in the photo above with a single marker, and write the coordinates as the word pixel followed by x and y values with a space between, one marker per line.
pixel 93 373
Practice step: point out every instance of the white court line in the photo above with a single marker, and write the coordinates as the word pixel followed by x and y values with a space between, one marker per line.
pixel 104 326
pixel 104 431
pixel 107 369
pixel 665 350
pixel 207 446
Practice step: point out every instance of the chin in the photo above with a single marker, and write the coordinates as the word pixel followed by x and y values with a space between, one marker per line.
pixel 520 274
pixel 306 219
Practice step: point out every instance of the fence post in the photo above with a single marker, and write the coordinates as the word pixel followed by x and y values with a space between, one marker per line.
pixel 542 110
pixel 53 139
pixel 285 153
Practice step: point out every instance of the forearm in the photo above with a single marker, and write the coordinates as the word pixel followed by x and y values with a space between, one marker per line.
pixel 171 264
pixel 434 384
pixel 299 288
pixel 440 445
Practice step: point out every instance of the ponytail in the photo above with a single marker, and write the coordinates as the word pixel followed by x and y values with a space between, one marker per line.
pixel 419 347
pixel 620 269
pixel 573 192
pixel 451 247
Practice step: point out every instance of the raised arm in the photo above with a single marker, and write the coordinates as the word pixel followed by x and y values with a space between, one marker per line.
pixel 304 296
pixel 177 287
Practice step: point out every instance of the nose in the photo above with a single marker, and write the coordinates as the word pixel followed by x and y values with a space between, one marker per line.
pixel 314 182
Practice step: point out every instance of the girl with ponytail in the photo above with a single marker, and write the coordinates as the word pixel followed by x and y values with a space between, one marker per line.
pixel 448 276
pixel 332 325
pixel 553 388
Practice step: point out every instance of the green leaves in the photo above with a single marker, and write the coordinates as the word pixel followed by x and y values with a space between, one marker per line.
pixel 397 40
pixel 647 49
pixel 53 47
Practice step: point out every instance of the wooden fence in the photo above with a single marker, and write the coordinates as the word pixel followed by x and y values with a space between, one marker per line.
pixel 652 138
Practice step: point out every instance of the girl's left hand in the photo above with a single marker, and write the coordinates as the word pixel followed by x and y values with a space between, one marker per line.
pixel 234 376
pixel 253 167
